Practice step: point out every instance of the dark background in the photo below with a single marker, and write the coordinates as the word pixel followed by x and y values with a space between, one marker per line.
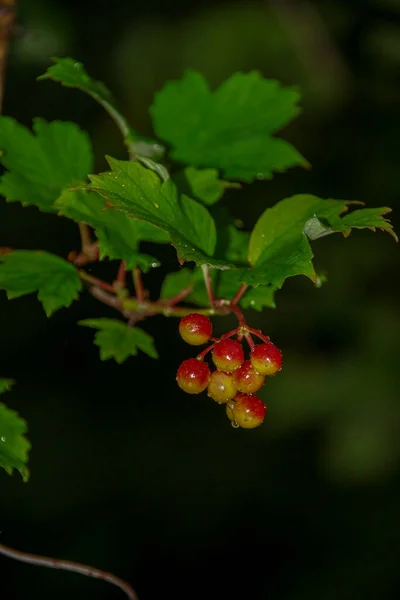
pixel 129 474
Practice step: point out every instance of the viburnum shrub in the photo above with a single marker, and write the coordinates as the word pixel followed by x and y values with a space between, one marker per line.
pixel 167 192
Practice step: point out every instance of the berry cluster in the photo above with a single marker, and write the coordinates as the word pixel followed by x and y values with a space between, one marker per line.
pixel 235 379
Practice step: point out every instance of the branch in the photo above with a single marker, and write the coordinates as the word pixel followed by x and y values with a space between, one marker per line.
pixel 67 565
pixel 7 15
pixel 138 283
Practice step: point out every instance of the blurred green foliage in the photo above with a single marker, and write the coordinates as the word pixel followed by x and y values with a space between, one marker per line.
pixel 126 472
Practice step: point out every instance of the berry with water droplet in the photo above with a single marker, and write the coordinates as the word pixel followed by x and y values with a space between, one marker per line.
pixel 230 406
pixel 193 376
pixel 228 355
pixel 247 380
pixel 249 411
pixel 221 387
pixel 195 329
pixel 266 359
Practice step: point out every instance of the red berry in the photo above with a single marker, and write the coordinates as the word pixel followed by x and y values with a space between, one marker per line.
pixel 249 411
pixel 221 387
pixel 246 379
pixel 228 355
pixel 266 359
pixel 193 376
pixel 195 329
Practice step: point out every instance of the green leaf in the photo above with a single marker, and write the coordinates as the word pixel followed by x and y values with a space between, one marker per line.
pixel 230 129
pixel 24 272
pixel 279 246
pixel 6 385
pixel 367 218
pixel 118 235
pixel 140 193
pixel 119 341
pixel 40 166
pixel 71 73
pixel 205 184
pixel 14 446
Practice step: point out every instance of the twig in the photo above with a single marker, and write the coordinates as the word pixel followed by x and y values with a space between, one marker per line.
pixel 227 335
pixel 238 314
pixel 239 294
pixel 178 297
pixel 67 565
pixel 138 283
pixel 86 240
pixel 265 338
pixel 105 297
pixel 249 340
pixel 7 15
pixel 96 281
pixel 121 275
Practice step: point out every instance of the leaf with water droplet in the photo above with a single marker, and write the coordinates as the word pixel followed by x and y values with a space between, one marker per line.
pixel 145 197
pixel 279 246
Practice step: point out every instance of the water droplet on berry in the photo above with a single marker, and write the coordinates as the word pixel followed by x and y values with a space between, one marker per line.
pixel 234 425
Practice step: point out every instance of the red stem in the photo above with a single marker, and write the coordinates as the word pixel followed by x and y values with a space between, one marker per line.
pixel 138 283
pixel 258 334
pixel 208 284
pixel 121 275
pixel 238 313
pixel 249 340
pixel 178 297
pixel 211 346
pixel 96 281
pixel 239 294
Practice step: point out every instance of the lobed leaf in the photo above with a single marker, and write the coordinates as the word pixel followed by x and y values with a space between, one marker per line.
pixel 230 129
pixel 24 272
pixel 14 446
pixel 141 194
pixel 41 164
pixel 119 341
pixel 279 246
